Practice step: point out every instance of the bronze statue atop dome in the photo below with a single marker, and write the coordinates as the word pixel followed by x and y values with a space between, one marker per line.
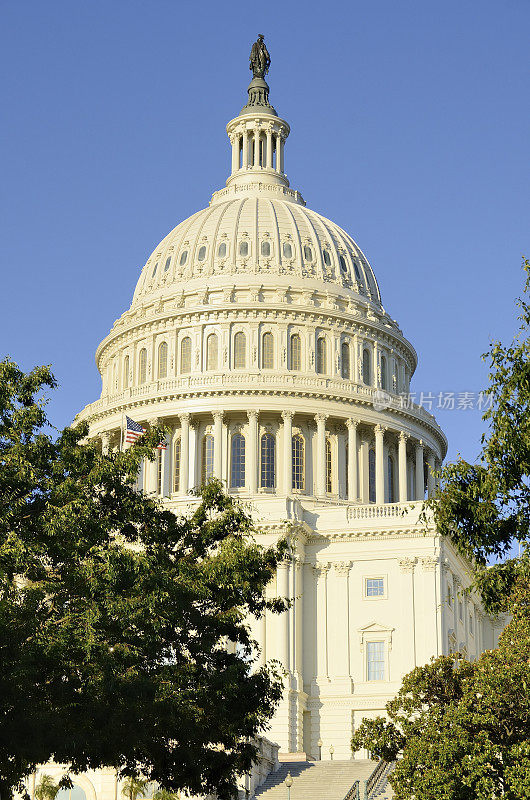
pixel 259 58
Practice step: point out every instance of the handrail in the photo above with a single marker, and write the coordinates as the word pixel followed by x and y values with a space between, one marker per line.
pixel 375 777
pixel 354 793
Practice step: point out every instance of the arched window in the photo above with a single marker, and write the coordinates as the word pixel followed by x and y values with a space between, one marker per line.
pixel 371 475
pixel 126 362
pixel 243 249
pixel 384 382
pixel 268 461
pixel 298 461
pixel 142 365
pixel 267 351
pixel 185 355
pixel 183 257
pixel 237 466
pixel 287 250
pixel 176 465
pixel 207 458
pixel 221 250
pixel 329 468
pixel 265 249
pixel 75 793
pixel 211 352
pixel 322 366
pixel 327 258
pixel 167 264
pixel 343 264
pixel 240 347
pixel 162 360
pixel 391 479
pixel 115 376
pixel 202 253
pixel 367 371
pixel 345 360
pixel 154 270
pixel 296 352
pixel 308 253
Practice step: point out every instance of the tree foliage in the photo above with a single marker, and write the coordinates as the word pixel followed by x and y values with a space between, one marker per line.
pixel 115 613
pixel 461 730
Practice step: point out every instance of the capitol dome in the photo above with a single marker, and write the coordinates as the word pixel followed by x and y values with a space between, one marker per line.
pixel 257 338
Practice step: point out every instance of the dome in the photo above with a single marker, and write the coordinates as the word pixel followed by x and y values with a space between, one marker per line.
pixel 255 238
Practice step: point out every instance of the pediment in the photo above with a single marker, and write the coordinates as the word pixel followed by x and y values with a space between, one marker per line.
pixel 376 627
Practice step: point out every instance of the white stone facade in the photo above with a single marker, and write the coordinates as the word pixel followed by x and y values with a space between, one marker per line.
pixel 257 336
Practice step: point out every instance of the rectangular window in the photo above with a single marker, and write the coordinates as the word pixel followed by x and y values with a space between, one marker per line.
pixel 375 661
pixel 374 587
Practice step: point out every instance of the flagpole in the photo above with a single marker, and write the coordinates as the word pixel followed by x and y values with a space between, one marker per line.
pixel 121 433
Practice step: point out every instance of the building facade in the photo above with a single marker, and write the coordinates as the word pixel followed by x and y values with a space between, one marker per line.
pixel 257 336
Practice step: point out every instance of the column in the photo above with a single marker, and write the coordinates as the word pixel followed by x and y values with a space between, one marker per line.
pixel 105 443
pixel 184 453
pixel 245 150
pixel 251 464
pixel 339 621
pixel 321 571
pixel 269 148
pixel 282 144
pixel 282 643
pixel 298 616
pixel 402 468
pixel 256 147
pixel 321 454
pixel 430 475
pixel 235 152
pixel 195 464
pixel 352 424
pixel 379 468
pixel 218 444
pixel 420 485
pixel 287 417
pixel 278 155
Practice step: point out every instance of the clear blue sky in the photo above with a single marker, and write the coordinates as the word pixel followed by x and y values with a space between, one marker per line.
pixel 410 128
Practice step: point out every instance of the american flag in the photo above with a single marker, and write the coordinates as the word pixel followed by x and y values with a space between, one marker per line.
pixel 162 445
pixel 133 430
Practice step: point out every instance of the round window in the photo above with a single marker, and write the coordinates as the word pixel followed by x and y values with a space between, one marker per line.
pixel 221 252
pixel 265 249
pixel 202 253
pixel 183 258
pixel 243 248
pixel 287 250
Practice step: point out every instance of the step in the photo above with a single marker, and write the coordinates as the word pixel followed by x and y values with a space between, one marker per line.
pixel 315 780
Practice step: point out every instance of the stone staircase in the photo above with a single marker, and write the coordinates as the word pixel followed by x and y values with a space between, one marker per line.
pixel 319 780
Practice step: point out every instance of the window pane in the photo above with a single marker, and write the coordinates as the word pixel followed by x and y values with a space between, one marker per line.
pixel 371 475
pixel 383 373
pixel 185 355
pixel 321 356
pixel 240 346
pixel 308 253
pixel 143 365
pixel 183 258
pixel 162 360
pixel 343 265
pixel 221 252
pixel 166 265
pixel 375 587
pixel 267 360
pixel 207 458
pixel 287 250
pixel 268 458
pixel 345 360
pixel 176 466
pixel 265 249
pixel 237 473
pixel 298 462
pixel 327 258
pixel 243 248
pixel 296 352
pixel 390 478
pixel 375 655
pixel 367 372
pixel 202 253
pixel 211 351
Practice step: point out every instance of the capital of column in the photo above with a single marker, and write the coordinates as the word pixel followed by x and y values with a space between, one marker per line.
pixel 342 567
pixel 287 416
pixel 403 437
pixel 380 430
pixel 321 418
pixel 252 415
pixel 185 417
pixel 218 415
pixel 352 423
pixel 407 564
pixel 321 569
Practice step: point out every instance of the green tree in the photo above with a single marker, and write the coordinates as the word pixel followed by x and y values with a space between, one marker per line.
pixel 461 730
pixel 134 787
pixel 46 789
pixel 114 613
